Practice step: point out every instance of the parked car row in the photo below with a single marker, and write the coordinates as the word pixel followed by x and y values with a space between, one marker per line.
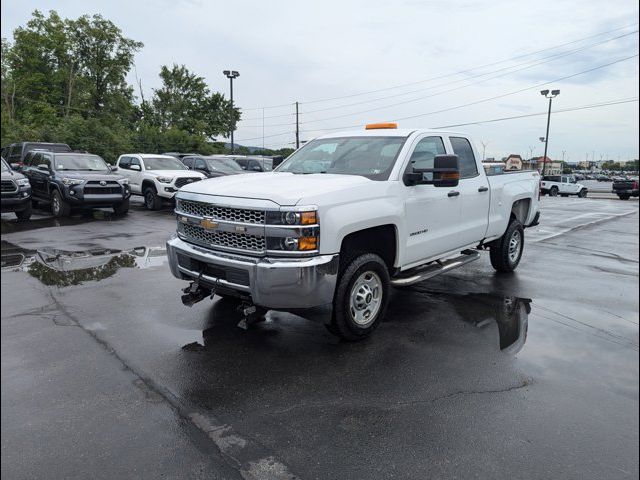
pixel 52 174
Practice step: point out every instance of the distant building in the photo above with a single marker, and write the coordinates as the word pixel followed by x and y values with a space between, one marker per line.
pixel 514 162
pixel 550 167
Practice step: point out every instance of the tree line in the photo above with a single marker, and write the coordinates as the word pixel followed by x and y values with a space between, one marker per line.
pixel 64 80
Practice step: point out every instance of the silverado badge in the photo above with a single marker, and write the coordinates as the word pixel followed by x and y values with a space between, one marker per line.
pixel 208 224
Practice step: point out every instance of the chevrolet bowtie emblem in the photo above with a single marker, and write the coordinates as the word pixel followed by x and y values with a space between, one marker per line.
pixel 208 224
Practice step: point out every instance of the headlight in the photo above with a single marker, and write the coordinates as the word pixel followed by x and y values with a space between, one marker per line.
pixel 123 181
pixel 292 218
pixel 165 179
pixel 72 181
pixel 23 182
pixel 303 243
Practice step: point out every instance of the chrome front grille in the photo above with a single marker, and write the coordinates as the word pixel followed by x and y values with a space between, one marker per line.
pixel 239 241
pixel 181 182
pixel 202 209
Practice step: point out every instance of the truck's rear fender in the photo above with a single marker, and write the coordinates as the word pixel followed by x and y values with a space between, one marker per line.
pixel 373 220
pixel 519 199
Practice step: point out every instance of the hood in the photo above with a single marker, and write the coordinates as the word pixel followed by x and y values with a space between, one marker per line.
pixel 89 176
pixel 282 188
pixel 175 173
pixel 12 175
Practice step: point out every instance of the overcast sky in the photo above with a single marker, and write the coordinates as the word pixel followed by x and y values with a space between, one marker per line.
pixel 307 51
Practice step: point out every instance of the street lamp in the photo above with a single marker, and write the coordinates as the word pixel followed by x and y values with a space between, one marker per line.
pixel 231 74
pixel 550 96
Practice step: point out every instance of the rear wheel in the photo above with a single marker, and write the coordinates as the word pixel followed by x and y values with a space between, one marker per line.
pixel 624 196
pixel 506 252
pixel 59 207
pixel 151 199
pixel 553 192
pixel 361 298
pixel 24 214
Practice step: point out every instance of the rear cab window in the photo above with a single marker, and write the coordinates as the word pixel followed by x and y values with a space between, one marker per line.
pixel 467 160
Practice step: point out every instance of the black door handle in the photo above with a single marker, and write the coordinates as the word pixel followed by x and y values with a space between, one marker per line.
pixel 453 193
pixel 483 189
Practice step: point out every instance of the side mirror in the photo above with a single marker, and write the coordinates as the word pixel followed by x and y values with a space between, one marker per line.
pixel 43 167
pixel 137 168
pixel 113 168
pixel 445 173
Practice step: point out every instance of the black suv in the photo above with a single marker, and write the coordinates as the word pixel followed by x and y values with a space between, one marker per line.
pixel 67 180
pixel 212 166
pixel 15 153
pixel 16 193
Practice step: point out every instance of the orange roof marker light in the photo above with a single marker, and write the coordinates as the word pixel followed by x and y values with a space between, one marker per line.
pixel 381 126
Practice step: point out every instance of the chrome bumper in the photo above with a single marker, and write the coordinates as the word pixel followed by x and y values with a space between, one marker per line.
pixel 278 283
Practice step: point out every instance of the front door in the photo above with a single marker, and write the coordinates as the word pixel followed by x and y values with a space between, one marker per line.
pixel 432 213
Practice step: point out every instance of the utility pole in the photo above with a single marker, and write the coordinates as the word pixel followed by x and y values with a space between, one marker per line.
pixel 545 93
pixel 231 74
pixel 297 128
pixel 484 147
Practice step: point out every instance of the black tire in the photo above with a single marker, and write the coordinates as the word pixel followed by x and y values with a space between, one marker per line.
pixel 624 197
pixel 501 252
pixel 24 214
pixel 151 199
pixel 360 270
pixel 582 193
pixel 59 206
pixel 553 192
pixel 121 208
pixel 34 203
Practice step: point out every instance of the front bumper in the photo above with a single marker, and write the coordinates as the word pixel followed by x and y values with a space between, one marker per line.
pixel 277 283
pixel 76 196
pixel 16 202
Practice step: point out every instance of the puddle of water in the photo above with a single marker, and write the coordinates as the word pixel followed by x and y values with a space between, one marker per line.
pixel 63 268
pixel 12 225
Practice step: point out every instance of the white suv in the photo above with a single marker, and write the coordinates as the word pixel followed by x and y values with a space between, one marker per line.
pixel 156 177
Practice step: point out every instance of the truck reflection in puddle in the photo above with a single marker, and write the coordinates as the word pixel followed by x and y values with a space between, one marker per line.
pixel 64 268
pixel 510 313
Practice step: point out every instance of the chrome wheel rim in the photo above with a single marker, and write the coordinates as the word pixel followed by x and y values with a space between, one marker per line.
pixel 515 244
pixel 365 299
pixel 56 205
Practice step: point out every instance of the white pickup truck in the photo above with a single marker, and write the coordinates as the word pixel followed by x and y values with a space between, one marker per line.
pixel 155 177
pixel 346 217
pixel 563 185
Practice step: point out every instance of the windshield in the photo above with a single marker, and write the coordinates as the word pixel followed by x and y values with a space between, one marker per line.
pixel 89 163
pixel 163 163
pixel 371 157
pixel 5 166
pixel 223 165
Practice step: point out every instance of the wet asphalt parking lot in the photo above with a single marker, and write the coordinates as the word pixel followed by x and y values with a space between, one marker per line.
pixel 532 375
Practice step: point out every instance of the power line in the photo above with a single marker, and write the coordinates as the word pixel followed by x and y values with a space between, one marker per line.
pixel 471 69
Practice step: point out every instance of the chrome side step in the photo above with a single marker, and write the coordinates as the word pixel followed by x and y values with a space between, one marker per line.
pixel 424 272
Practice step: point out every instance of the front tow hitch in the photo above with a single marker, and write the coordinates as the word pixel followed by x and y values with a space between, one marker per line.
pixel 194 293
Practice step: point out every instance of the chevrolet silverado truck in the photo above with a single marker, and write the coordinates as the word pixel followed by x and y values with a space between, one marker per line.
pixel 345 218
pixel 156 177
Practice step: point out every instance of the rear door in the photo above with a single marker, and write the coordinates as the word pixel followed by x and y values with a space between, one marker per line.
pixel 431 215
pixel 474 193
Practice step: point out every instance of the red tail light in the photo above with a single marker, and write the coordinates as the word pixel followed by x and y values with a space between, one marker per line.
pixel 635 185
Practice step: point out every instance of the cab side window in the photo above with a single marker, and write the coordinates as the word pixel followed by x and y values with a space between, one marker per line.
pixel 200 164
pixel 242 162
pixel 45 160
pixel 425 151
pixel 124 162
pixel 135 161
pixel 254 166
pixel 462 148
pixel 188 162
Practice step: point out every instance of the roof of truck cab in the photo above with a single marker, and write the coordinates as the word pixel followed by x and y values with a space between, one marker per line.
pixel 148 155
pixel 389 132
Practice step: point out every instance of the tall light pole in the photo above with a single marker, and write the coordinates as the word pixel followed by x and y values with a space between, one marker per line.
pixel 550 96
pixel 484 148
pixel 231 74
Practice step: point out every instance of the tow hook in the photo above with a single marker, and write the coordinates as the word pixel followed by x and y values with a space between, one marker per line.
pixel 251 314
pixel 194 293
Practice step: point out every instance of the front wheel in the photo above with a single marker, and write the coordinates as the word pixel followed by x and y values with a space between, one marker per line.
pixel 151 199
pixel 24 214
pixel 361 298
pixel 582 193
pixel 121 208
pixel 59 207
pixel 506 253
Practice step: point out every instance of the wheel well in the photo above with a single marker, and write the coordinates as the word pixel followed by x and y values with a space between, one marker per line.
pixel 148 183
pixel 379 240
pixel 520 210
